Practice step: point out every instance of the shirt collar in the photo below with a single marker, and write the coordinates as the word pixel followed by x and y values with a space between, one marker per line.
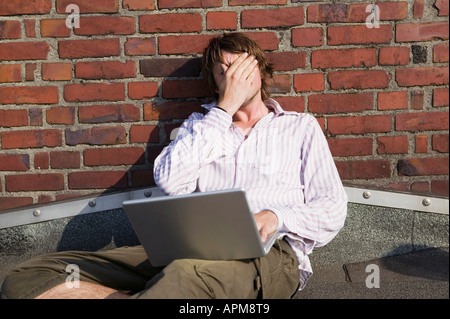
pixel 271 104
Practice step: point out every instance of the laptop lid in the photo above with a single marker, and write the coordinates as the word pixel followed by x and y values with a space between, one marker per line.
pixel 215 225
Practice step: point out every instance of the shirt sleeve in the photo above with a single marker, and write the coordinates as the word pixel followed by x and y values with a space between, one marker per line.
pixel 177 167
pixel 318 219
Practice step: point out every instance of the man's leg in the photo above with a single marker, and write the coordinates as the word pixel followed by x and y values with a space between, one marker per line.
pixel 125 269
pixel 275 275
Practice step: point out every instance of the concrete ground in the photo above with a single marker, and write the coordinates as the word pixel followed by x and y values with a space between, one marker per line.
pixel 416 275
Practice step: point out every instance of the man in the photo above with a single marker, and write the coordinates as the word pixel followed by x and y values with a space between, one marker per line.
pixel 245 140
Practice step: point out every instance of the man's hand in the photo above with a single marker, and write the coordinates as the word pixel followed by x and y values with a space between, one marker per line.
pixel 235 82
pixel 267 223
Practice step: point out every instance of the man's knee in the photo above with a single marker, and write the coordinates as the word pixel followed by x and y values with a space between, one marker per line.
pixel 33 277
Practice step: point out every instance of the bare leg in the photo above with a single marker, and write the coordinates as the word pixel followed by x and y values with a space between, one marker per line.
pixel 86 290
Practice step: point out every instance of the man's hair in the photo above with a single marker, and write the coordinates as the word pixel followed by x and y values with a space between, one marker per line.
pixel 235 43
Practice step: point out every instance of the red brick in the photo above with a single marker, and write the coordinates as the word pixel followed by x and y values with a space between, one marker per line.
pixel 333 13
pixel 105 70
pixel 96 136
pixel 10 29
pixel 54 28
pixel 140 46
pixel 394 55
pixel 170 110
pixel 167 4
pixel 142 90
pixel 108 113
pixel 359 124
pixel 10 73
pixel 392 100
pixel 97 179
pixel 255 2
pixel 139 4
pixel 287 61
pixel 440 52
pixel 57 71
pixel 351 169
pixel 358 79
pixel 98 6
pixel 417 98
pixel 41 160
pixel 105 25
pixel 358 34
pixel 65 159
pixel 34 182
pixel 94 48
pixel 9 118
pixel 30 28
pixel 392 144
pixel 422 76
pixel 418 8
pixel 292 103
pixel 114 156
pixel 184 89
pixel 12 51
pixel 261 18
pixel 350 146
pixel 309 82
pixel 61 115
pixel 171 67
pixel 423 166
pixel 266 40
pixel 35 115
pixel 14 202
pixel 440 187
pixel 31 138
pixel 337 103
pixel 422 121
pixel 440 143
pixel 19 7
pixel 442 6
pixel 307 37
pixel 144 134
pixel 29 95
pixel 178 44
pixel 221 20
pixel 14 162
pixel 94 92
pixel 29 71
pixel 440 97
pixel 170 22
pixel 411 32
pixel 280 84
pixel 342 58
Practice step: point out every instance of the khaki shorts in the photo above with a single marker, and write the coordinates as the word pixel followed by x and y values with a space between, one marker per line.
pixel 128 270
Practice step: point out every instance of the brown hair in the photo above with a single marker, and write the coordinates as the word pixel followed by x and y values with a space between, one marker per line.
pixel 235 43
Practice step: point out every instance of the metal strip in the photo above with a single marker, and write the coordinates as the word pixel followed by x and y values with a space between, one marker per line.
pixel 94 204
pixel 36 214
pixel 398 200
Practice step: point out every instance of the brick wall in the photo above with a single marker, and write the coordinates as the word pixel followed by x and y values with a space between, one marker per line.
pixel 87 109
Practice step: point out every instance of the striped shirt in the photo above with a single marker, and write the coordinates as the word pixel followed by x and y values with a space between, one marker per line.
pixel 283 164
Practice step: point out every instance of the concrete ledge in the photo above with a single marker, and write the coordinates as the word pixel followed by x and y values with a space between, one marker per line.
pixel 370 232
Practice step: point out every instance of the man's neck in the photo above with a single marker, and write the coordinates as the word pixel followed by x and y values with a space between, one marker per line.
pixel 251 112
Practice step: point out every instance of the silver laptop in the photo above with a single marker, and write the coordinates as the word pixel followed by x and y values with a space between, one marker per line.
pixel 214 225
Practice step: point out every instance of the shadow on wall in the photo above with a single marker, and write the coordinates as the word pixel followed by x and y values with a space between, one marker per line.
pixel 91 232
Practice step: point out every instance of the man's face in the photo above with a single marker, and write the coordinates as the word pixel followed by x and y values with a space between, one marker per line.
pixel 219 70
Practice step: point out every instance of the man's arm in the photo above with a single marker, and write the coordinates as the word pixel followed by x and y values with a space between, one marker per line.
pixel 317 219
